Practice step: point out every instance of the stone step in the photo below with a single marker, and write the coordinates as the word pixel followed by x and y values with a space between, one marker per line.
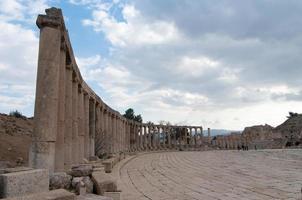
pixel 60 194
pixel 92 197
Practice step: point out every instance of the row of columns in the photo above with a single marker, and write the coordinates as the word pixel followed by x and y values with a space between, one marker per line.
pixel 230 141
pixel 71 123
pixel 153 137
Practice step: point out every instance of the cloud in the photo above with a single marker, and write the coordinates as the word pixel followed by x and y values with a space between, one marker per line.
pixel 213 61
pixel 18 54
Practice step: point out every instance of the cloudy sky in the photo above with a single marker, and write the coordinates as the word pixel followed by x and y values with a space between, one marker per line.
pixel 219 64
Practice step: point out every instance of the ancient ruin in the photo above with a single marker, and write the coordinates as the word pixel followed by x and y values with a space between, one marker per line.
pixel 69 115
pixel 73 127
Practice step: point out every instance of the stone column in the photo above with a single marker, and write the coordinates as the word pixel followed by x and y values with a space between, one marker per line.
pixel 42 153
pixel 106 134
pixel 59 156
pixel 164 136
pixel 191 137
pixel 144 137
pixel 75 138
pixel 113 127
pixel 154 138
pixel 129 136
pixel 158 137
pixel 209 135
pixel 68 118
pixel 81 125
pixel 97 139
pixel 150 137
pixel 169 137
pixel 91 126
pixel 201 136
pixel 86 129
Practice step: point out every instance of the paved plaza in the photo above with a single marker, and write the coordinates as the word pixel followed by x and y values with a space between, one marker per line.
pixel 268 174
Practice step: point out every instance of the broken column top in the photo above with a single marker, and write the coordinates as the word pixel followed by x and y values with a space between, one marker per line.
pixel 53 18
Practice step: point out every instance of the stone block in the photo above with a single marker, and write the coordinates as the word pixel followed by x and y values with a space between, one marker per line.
pixel 113 195
pixel 92 197
pixel 60 194
pixel 24 182
pixel 16 169
pixel 60 180
pixel 104 183
pixel 81 170
pixel 108 165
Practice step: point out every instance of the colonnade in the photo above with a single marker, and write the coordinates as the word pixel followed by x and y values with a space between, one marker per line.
pixel 71 123
pixel 232 141
pixel 154 137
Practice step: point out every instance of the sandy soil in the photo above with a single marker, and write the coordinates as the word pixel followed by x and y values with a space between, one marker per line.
pixel 15 138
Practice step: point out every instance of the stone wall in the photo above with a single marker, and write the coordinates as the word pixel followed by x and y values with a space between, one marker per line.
pixel 70 117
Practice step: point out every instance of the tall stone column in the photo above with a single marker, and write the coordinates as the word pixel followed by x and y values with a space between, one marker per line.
pixel 209 135
pixel 75 138
pixel 68 118
pixel 154 138
pixel 81 120
pixel 201 136
pixel 190 136
pixel 150 137
pixel 106 131
pixel 91 126
pixel 97 126
pixel 144 137
pixel 112 134
pixel 169 137
pixel 135 137
pixel 42 153
pixel 128 136
pixel 164 136
pixel 195 136
pixel 87 127
pixel 59 156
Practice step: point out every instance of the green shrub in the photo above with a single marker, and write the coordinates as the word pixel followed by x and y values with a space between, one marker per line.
pixel 16 114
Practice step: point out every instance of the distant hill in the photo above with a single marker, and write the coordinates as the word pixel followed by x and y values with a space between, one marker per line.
pixel 215 132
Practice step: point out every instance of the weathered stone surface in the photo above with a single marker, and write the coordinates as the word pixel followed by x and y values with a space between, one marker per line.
pixel 81 170
pixel 24 182
pixel 88 184
pixel 60 180
pixel 16 169
pixel 78 182
pixel 113 195
pixel 51 195
pixel 103 182
pixel 209 175
pixel 92 197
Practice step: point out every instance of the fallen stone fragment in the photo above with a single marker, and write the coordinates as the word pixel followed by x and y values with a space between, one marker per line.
pixel 60 180
pixel 103 182
pixel 81 170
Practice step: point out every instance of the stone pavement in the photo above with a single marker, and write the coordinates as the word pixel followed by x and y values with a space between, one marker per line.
pixel 267 174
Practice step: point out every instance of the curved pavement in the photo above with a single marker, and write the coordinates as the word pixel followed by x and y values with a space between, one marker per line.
pixel 270 174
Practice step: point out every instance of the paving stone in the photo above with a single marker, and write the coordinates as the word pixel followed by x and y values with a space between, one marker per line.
pixel 213 175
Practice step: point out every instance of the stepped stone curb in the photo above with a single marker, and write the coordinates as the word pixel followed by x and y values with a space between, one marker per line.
pixel 60 194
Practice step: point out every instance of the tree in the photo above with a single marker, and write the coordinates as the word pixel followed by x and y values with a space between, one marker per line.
pixel 138 118
pixel 129 114
pixel 292 114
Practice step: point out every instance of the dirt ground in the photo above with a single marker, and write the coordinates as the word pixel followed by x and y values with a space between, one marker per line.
pixel 15 138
